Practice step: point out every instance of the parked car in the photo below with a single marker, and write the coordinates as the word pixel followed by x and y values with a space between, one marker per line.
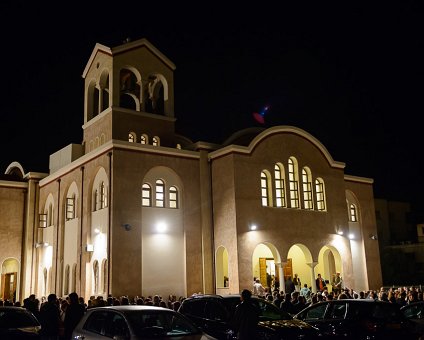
pixel 358 319
pixel 214 315
pixel 18 323
pixel 136 322
pixel 415 313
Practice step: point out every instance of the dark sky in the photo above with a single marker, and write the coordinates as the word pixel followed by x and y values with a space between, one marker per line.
pixel 351 75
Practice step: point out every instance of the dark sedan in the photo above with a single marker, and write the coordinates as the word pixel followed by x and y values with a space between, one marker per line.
pixel 358 319
pixel 18 323
pixel 214 314
pixel 415 312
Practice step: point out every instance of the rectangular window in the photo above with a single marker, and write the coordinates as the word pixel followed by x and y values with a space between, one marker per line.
pixel 320 196
pixel 42 219
pixel 307 195
pixel 70 208
pixel 160 195
pixel 103 198
pixel 294 194
pixel 264 190
pixel 173 198
pixel 146 199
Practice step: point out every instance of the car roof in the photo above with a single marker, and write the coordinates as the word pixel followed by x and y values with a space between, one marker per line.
pixel 125 308
pixel 13 308
pixel 421 302
pixel 225 297
pixel 355 301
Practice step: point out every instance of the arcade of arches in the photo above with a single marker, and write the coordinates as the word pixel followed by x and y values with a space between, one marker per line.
pixel 268 263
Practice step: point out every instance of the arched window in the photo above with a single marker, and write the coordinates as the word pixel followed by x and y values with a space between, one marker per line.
pixel 156 141
pixel 66 281
pixel 50 215
pixel 173 197
pixel 143 139
pixel 320 194
pixel 105 273
pixel 45 281
pixel 308 203
pixel 131 137
pixel 222 276
pixel 146 195
pixel 103 197
pixel 74 278
pixel 160 193
pixel 130 90
pixel 293 183
pixel 95 199
pixel 280 190
pixel 96 276
pixel 353 214
pixel 265 189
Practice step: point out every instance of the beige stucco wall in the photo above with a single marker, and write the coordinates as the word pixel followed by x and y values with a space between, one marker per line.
pixel 236 190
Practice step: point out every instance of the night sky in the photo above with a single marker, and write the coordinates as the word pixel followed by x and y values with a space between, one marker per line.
pixel 352 75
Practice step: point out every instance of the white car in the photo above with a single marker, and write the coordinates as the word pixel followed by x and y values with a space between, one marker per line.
pixel 136 322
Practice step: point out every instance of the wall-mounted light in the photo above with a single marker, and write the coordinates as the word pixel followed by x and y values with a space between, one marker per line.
pixel 351 236
pixel 373 237
pixel 96 230
pixel 161 227
pixel 253 227
pixel 89 248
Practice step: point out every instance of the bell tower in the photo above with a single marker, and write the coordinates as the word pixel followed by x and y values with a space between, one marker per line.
pixel 128 95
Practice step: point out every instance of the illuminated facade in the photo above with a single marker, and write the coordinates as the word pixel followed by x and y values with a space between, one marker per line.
pixel 137 209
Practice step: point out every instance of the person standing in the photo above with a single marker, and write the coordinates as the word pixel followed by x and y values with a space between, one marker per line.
pixel 246 317
pixel 74 312
pixel 337 284
pixel 289 285
pixel 320 283
pixel 297 283
pixel 305 291
pixel 258 289
pixel 50 318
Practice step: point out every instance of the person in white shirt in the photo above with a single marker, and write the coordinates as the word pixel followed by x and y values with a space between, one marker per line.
pixel 258 289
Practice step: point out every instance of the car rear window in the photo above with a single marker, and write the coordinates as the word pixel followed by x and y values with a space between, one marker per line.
pixel 17 319
pixel 194 307
pixel 376 311
pixel 96 322
pixel 156 324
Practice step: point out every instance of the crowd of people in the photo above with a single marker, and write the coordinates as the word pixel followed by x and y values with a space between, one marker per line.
pixel 59 316
pixel 293 299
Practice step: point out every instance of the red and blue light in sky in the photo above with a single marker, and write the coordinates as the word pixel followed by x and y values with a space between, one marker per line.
pixel 260 116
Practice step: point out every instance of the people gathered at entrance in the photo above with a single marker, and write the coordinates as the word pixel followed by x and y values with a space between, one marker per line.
pixel 59 315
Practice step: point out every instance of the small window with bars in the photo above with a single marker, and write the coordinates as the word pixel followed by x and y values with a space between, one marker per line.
pixel 160 193
pixel 146 195
pixel 70 208
pixel 42 221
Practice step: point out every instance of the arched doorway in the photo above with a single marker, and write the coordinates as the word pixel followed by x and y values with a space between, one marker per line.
pixel 298 258
pixel 329 263
pixel 9 279
pixel 266 265
pixel 222 276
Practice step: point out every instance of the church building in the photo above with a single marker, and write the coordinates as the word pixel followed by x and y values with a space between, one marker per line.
pixel 137 209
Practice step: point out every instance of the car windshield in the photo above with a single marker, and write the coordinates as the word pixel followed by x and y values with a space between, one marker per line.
pixel 157 324
pixel 268 311
pixel 414 311
pixel 17 319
